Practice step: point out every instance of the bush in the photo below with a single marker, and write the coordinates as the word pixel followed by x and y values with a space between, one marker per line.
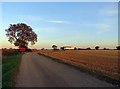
pixel 88 48
pixel 104 49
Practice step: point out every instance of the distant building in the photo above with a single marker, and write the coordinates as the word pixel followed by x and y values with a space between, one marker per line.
pixel 68 47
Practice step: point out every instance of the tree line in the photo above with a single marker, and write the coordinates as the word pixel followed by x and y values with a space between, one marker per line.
pixel 96 47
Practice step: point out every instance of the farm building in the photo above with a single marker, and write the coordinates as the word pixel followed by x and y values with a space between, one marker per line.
pixel 68 47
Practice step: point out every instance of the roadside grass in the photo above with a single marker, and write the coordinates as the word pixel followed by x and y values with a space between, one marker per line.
pixel 10 65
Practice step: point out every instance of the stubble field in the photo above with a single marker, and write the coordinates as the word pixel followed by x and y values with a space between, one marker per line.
pixel 104 62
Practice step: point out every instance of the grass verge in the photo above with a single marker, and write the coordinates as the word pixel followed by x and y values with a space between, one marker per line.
pixel 10 65
pixel 94 72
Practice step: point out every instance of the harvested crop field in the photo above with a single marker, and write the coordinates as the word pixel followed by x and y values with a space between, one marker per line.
pixel 101 61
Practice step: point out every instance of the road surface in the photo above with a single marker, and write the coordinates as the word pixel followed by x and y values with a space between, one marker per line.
pixel 39 71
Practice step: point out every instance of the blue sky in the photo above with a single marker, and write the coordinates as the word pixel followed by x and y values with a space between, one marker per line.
pixel 83 24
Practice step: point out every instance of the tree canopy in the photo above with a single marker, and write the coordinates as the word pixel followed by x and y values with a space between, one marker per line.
pixel 54 47
pixel 118 47
pixel 97 47
pixel 21 34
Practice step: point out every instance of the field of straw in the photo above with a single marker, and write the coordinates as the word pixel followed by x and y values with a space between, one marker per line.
pixel 103 61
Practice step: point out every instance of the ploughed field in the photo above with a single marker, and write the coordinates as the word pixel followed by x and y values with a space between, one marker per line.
pixel 104 62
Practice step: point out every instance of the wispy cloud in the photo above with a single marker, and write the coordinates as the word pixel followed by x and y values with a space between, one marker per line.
pixel 98 28
pixel 31 17
pixel 46 30
pixel 59 21
pixel 104 28
pixel 41 19
pixel 109 11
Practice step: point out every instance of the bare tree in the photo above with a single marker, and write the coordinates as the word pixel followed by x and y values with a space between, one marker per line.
pixel 21 34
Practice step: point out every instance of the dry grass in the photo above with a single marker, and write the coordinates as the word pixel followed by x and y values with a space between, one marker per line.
pixel 104 61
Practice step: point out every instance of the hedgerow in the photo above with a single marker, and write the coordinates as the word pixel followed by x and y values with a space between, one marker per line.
pixel 9 52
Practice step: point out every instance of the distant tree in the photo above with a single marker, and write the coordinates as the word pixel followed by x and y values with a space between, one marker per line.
pixel 5 48
pixel 97 47
pixel 42 49
pixel 54 47
pixel 88 48
pixel 104 49
pixel 29 50
pixel 118 47
pixel 20 34
pixel 62 48
pixel 75 48
pixel 10 48
pixel 81 49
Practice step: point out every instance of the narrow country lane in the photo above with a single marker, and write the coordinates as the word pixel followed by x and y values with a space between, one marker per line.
pixel 39 71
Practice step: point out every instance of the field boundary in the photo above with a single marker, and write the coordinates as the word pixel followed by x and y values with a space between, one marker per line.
pixel 93 72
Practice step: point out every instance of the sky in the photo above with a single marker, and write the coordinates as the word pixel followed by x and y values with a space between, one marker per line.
pixel 77 24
